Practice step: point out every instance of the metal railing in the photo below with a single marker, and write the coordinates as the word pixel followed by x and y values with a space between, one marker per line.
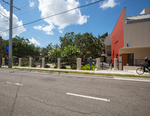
pixel 133 62
pixel 108 53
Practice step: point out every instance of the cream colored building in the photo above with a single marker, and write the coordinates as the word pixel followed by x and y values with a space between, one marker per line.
pixel 136 39
pixel 135 36
pixel 108 48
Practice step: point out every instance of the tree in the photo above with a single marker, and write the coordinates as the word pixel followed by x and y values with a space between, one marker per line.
pixel 71 52
pixel 3 53
pixel 68 39
pixel 54 54
pixel 21 48
pixel 89 45
pixel 44 51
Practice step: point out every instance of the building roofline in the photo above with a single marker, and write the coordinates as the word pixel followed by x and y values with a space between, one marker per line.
pixel 138 15
pixel 138 18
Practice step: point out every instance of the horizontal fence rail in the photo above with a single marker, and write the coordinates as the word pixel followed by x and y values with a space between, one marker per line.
pixel 133 62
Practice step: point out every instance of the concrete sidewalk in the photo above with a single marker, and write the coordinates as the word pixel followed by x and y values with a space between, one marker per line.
pixel 128 72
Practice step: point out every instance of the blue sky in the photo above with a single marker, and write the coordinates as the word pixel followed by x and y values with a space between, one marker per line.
pixel 96 19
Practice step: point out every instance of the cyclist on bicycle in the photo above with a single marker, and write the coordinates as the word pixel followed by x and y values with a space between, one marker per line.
pixel 145 63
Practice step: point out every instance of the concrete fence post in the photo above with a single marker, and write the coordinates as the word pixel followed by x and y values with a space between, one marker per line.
pixel 115 64
pixel 43 62
pixel 20 61
pixel 58 63
pixel 78 63
pixel 98 63
pixel 3 61
pixel 30 62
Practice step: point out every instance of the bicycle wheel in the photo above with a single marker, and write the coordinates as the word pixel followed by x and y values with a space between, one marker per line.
pixel 139 71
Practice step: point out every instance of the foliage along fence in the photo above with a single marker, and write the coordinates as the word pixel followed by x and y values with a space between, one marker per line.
pixel 24 62
pixel 64 63
pixel 15 61
pixel 6 61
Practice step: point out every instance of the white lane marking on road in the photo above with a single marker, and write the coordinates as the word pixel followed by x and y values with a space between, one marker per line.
pixel 14 83
pixel 19 84
pixel 90 97
pixel 141 80
pixel 8 82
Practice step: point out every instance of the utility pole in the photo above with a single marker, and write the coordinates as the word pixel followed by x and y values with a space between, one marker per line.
pixel 10 35
pixel 10 32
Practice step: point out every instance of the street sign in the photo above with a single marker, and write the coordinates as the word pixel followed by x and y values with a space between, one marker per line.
pixel 90 63
pixel 7 48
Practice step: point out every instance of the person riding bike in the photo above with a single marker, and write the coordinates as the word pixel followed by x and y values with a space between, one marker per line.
pixel 145 63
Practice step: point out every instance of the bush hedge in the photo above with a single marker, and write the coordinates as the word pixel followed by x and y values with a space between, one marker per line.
pixel 87 67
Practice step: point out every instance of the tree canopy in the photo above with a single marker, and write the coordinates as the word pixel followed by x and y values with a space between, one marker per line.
pixel 45 50
pixel 86 43
pixel 71 51
pixel 20 48
pixel 89 45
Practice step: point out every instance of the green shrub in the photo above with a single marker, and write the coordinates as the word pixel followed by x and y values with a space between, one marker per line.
pixel 34 65
pixel 15 64
pixel 63 67
pixel 55 66
pixel 47 66
pixel 25 62
pixel 74 66
pixel 40 60
pixel 87 67
pixel 93 67
pixel 84 63
pixel 65 63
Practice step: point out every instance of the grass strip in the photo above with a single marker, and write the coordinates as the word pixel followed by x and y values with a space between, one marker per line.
pixel 75 72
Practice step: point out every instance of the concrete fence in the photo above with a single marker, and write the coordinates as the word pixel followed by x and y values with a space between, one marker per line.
pixel 79 61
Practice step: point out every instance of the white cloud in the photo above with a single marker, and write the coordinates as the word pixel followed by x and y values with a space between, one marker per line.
pixel 33 41
pixel 93 0
pixel 108 3
pixel 4 23
pixel 87 2
pixel 47 29
pixel 39 27
pixel 51 7
pixel 60 31
pixel 31 4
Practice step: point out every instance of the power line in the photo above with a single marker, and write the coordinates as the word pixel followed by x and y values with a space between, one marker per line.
pixel 38 9
pixel 55 14
pixel 2 4
pixel 4 16
pixel 10 4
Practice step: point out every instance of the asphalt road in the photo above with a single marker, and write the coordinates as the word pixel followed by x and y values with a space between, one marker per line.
pixel 25 93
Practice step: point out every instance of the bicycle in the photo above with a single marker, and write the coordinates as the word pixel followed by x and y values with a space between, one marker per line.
pixel 140 70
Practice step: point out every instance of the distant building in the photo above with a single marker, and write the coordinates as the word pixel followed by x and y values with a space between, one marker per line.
pixel 130 39
pixel 107 51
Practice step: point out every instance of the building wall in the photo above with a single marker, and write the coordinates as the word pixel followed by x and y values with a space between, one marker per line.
pixel 147 10
pixel 139 53
pixel 137 34
pixel 117 36
pixel 108 48
pixel 108 40
pixel 108 53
